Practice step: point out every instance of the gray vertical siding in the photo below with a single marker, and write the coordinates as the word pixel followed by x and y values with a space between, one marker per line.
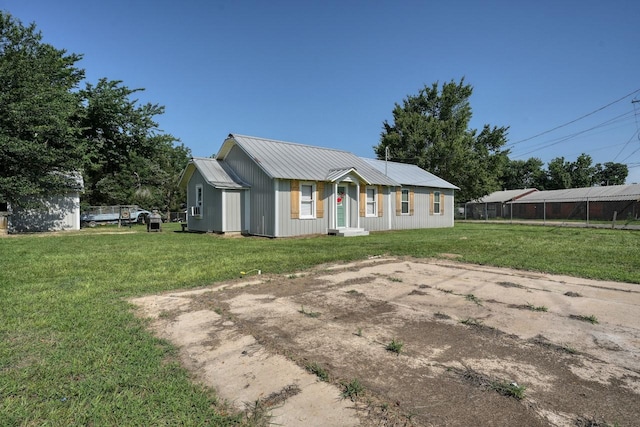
pixel 422 217
pixel 261 200
pixel 297 227
pixel 211 220
pixel 379 223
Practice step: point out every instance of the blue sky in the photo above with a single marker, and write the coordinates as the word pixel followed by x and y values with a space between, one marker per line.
pixel 328 73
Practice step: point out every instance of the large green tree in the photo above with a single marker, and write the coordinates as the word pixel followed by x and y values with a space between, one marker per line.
pixel 128 159
pixel 611 173
pixel 524 174
pixel 431 130
pixel 40 146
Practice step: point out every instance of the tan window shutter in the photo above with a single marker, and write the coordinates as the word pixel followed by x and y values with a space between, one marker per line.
pixel 399 201
pixel 320 200
pixel 441 203
pixel 380 201
pixel 295 199
pixel 363 200
pixel 431 203
pixel 411 201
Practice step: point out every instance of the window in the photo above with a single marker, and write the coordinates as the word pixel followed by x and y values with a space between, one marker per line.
pixel 372 208
pixel 196 210
pixel 307 201
pixel 436 202
pixel 405 202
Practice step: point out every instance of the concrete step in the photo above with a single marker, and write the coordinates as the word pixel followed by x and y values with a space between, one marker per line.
pixel 348 232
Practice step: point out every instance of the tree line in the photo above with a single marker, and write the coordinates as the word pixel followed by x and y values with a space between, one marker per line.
pixel 431 129
pixel 53 124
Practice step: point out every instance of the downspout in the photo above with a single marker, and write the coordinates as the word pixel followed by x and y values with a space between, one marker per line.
pixel 276 213
pixel 358 204
pixel 389 214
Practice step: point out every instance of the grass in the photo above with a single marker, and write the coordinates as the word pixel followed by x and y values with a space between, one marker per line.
pixel 591 319
pixel 508 389
pixel 470 321
pixel 313 314
pixel 72 352
pixel 473 298
pixel 537 307
pixel 352 389
pixel 318 371
pixel 395 346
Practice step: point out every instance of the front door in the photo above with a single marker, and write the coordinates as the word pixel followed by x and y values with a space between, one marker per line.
pixel 341 206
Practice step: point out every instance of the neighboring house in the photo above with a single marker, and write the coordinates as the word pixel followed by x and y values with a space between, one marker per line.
pixel 495 205
pixel 59 212
pixel 278 189
pixel 606 203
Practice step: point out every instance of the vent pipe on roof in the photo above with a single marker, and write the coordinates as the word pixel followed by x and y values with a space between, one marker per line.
pixel 386 158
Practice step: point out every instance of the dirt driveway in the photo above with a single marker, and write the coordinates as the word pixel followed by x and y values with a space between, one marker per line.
pixel 474 345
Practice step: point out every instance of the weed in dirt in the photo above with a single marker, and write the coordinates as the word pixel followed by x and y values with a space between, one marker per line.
pixel 256 414
pixel 446 291
pixel 537 307
pixel 395 346
pixel 164 314
pixel 542 341
pixel 584 421
pixel 395 279
pixel 505 388
pixel 353 292
pixel 359 332
pixel 591 319
pixel 470 321
pixel 318 370
pixel 572 294
pixel 218 311
pixel 473 298
pixel 508 389
pixel 440 315
pixel 313 314
pixel 510 285
pixel 352 389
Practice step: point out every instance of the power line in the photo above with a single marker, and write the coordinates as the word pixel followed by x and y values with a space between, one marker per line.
pixel 575 120
pixel 565 138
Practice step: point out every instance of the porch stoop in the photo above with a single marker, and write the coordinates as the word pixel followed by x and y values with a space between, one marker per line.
pixel 348 232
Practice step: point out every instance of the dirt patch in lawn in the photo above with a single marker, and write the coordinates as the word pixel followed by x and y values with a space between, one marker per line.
pixel 412 342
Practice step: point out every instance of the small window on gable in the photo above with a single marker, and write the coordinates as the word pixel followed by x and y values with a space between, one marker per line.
pixel 307 200
pixel 372 201
pixel 436 203
pixel 405 202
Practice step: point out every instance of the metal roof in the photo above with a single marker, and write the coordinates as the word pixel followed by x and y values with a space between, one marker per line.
pixel 505 196
pixel 593 194
pixel 288 160
pixel 407 174
pixel 215 172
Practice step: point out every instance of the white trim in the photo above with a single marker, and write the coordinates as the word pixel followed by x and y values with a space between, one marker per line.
pixel 402 190
pixel 436 200
pixel 196 209
pixel 375 202
pixel 390 212
pixel 247 211
pixel 312 201
pixel 345 202
pixel 223 203
pixel 357 204
pixel 276 212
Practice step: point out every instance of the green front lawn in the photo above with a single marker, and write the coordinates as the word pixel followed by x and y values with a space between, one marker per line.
pixel 73 353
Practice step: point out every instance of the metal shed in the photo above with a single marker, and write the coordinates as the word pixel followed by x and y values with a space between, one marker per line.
pixel 607 203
